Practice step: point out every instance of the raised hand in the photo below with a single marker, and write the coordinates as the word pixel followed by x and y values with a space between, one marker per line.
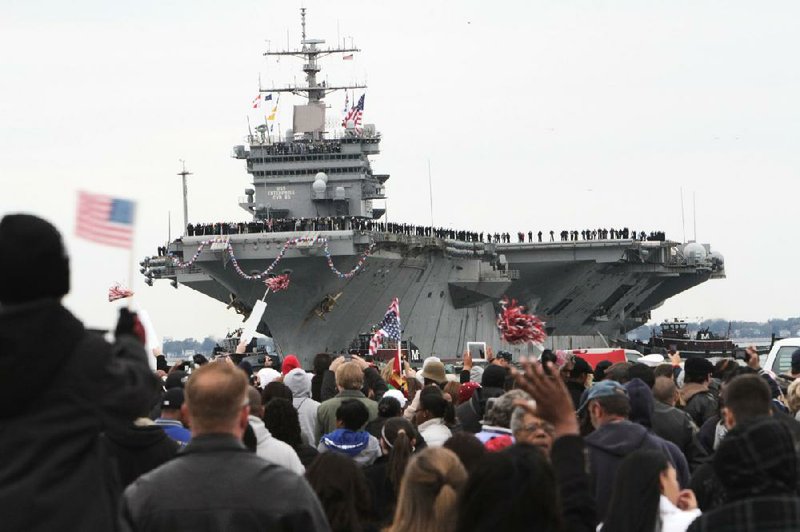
pixel 553 402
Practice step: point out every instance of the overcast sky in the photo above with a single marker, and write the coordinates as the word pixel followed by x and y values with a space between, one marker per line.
pixel 533 114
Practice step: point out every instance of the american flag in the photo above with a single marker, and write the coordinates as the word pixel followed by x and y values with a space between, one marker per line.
pixel 389 327
pixel 105 220
pixel 355 114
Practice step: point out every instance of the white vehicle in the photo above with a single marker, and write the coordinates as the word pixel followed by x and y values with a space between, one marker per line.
pixel 779 359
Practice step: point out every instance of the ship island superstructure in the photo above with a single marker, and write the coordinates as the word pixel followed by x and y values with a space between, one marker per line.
pixel 316 189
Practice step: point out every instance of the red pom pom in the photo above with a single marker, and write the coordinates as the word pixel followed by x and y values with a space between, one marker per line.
pixel 118 292
pixel 516 326
pixel 277 283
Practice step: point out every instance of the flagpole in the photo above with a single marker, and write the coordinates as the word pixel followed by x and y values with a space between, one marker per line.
pixel 399 343
pixel 132 257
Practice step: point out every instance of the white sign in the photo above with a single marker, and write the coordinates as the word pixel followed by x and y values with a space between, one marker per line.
pixel 280 193
pixel 249 329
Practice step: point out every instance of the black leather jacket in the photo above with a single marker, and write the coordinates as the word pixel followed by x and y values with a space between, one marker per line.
pixel 216 484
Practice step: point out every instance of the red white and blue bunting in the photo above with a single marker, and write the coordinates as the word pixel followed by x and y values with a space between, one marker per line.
pixel 289 243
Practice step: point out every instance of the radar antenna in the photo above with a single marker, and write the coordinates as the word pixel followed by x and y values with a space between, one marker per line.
pixel 310 53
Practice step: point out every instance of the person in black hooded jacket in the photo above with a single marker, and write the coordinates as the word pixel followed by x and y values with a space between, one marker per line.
pixel 139 448
pixel 61 387
pixel 470 413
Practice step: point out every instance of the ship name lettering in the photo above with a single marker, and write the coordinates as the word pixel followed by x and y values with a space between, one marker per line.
pixel 280 193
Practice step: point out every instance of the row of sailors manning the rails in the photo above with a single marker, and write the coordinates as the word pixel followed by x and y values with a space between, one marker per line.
pixel 344 223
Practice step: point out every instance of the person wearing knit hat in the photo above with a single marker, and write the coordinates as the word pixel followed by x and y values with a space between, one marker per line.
pixel 494 377
pixel 51 370
pixel 466 391
pixel 756 464
pixel 290 363
pixel 33 261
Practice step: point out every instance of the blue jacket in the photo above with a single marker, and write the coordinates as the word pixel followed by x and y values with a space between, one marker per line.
pixel 175 430
pixel 359 445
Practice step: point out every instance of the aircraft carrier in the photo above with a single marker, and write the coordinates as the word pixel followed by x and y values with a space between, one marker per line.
pixel 311 215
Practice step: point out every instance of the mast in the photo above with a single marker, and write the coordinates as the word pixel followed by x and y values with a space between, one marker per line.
pixel 311 53
pixel 183 173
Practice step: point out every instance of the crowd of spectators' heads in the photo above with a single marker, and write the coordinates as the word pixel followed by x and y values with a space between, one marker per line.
pixel 99 436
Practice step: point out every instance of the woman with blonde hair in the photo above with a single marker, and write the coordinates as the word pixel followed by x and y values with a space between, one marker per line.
pixel 429 493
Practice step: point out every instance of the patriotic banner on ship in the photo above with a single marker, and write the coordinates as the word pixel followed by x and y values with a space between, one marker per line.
pixel 355 114
pixel 105 220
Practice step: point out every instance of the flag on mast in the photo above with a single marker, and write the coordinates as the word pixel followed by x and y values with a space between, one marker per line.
pixel 273 113
pixel 257 100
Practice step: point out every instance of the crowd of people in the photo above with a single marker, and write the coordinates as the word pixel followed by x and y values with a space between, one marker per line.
pixel 356 223
pixel 92 438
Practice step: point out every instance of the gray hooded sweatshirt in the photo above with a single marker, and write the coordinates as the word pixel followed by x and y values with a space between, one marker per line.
pixel 299 382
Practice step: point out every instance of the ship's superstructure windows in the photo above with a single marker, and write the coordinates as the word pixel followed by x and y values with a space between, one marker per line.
pixel 298 158
pixel 309 171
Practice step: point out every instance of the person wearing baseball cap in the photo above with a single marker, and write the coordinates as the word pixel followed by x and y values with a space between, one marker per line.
pixel 614 437
pixel 502 359
pixel 171 419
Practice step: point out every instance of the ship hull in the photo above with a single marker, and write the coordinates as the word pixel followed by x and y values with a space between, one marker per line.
pixel 579 289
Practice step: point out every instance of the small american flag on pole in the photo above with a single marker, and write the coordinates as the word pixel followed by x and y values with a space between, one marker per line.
pixel 389 327
pixel 105 220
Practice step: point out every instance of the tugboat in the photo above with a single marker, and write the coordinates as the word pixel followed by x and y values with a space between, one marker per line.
pixel 675 336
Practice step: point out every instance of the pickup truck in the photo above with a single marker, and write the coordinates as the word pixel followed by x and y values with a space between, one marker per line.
pixel 779 359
